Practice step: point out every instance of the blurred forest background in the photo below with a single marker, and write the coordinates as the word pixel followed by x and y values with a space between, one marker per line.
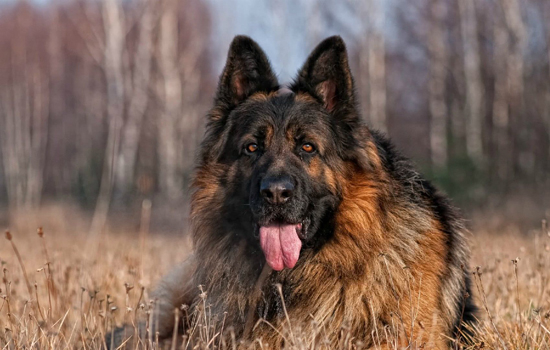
pixel 102 102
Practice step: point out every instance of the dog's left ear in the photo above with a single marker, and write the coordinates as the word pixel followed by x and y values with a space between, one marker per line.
pixel 326 76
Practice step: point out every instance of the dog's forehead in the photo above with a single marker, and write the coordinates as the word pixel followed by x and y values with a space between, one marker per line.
pixel 275 107
pixel 285 101
pixel 290 113
pixel 281 110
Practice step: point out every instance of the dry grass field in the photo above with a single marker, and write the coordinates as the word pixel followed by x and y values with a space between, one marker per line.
pixel 63 290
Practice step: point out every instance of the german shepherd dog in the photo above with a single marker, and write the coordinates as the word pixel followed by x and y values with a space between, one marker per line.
pixel 307 221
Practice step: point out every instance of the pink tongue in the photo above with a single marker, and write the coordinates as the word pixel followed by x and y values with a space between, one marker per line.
pixel 281 245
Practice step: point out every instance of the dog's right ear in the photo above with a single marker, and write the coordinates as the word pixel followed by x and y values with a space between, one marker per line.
pixel 246 72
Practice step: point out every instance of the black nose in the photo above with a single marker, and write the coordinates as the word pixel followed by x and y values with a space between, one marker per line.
pixel 276 190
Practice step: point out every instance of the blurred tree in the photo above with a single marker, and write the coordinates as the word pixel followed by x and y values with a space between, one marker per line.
pixel 137 69
pixel 474 84
pixel 515 77
pixel 170 179
pixel 182 48
pixel 24 105
pixel 102 99
pixel 438 76
pixel 113 49
pixel 547 108
pixel 500 116
pixel 377 65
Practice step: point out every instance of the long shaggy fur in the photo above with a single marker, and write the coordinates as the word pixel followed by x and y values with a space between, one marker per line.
pixel 386 260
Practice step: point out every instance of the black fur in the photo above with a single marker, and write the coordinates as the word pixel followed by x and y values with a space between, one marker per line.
pixel 257 135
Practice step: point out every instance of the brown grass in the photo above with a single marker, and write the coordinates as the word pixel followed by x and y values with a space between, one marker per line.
pixel 75 290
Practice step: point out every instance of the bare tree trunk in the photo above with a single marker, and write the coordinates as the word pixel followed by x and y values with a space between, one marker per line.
pixel 23 123
pixel 363 80
pixel 377 67
pixel 515 67
pixel 547 16
pixel 9 150
pixel 500 115
pixel 457 125
pixel 363 75
pixel 113 50
pixel 56 72
pixel 139 97
pixel 38 134
pixel 170 179
pixel 474 85
pixel 191 75
pixel 438 76
pixel 190 117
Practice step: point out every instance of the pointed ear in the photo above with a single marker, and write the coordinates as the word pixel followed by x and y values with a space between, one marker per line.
pixel 327 77
pixel 246 71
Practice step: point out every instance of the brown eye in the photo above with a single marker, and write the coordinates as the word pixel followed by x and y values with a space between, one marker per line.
pixel 252 147
pixel 308 147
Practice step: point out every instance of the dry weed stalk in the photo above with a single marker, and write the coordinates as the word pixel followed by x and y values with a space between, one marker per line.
pixel 77 305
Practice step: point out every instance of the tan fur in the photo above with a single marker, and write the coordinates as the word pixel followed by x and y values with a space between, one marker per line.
pixel 382 260
pixel 381 272
pixel 399 286
pixel 303 97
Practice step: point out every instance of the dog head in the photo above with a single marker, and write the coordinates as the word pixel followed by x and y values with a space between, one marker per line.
pixel 281 154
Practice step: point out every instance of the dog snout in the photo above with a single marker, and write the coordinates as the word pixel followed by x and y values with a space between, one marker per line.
pixel 277 190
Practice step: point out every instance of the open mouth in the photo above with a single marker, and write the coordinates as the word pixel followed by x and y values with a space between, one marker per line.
pixel 281 244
